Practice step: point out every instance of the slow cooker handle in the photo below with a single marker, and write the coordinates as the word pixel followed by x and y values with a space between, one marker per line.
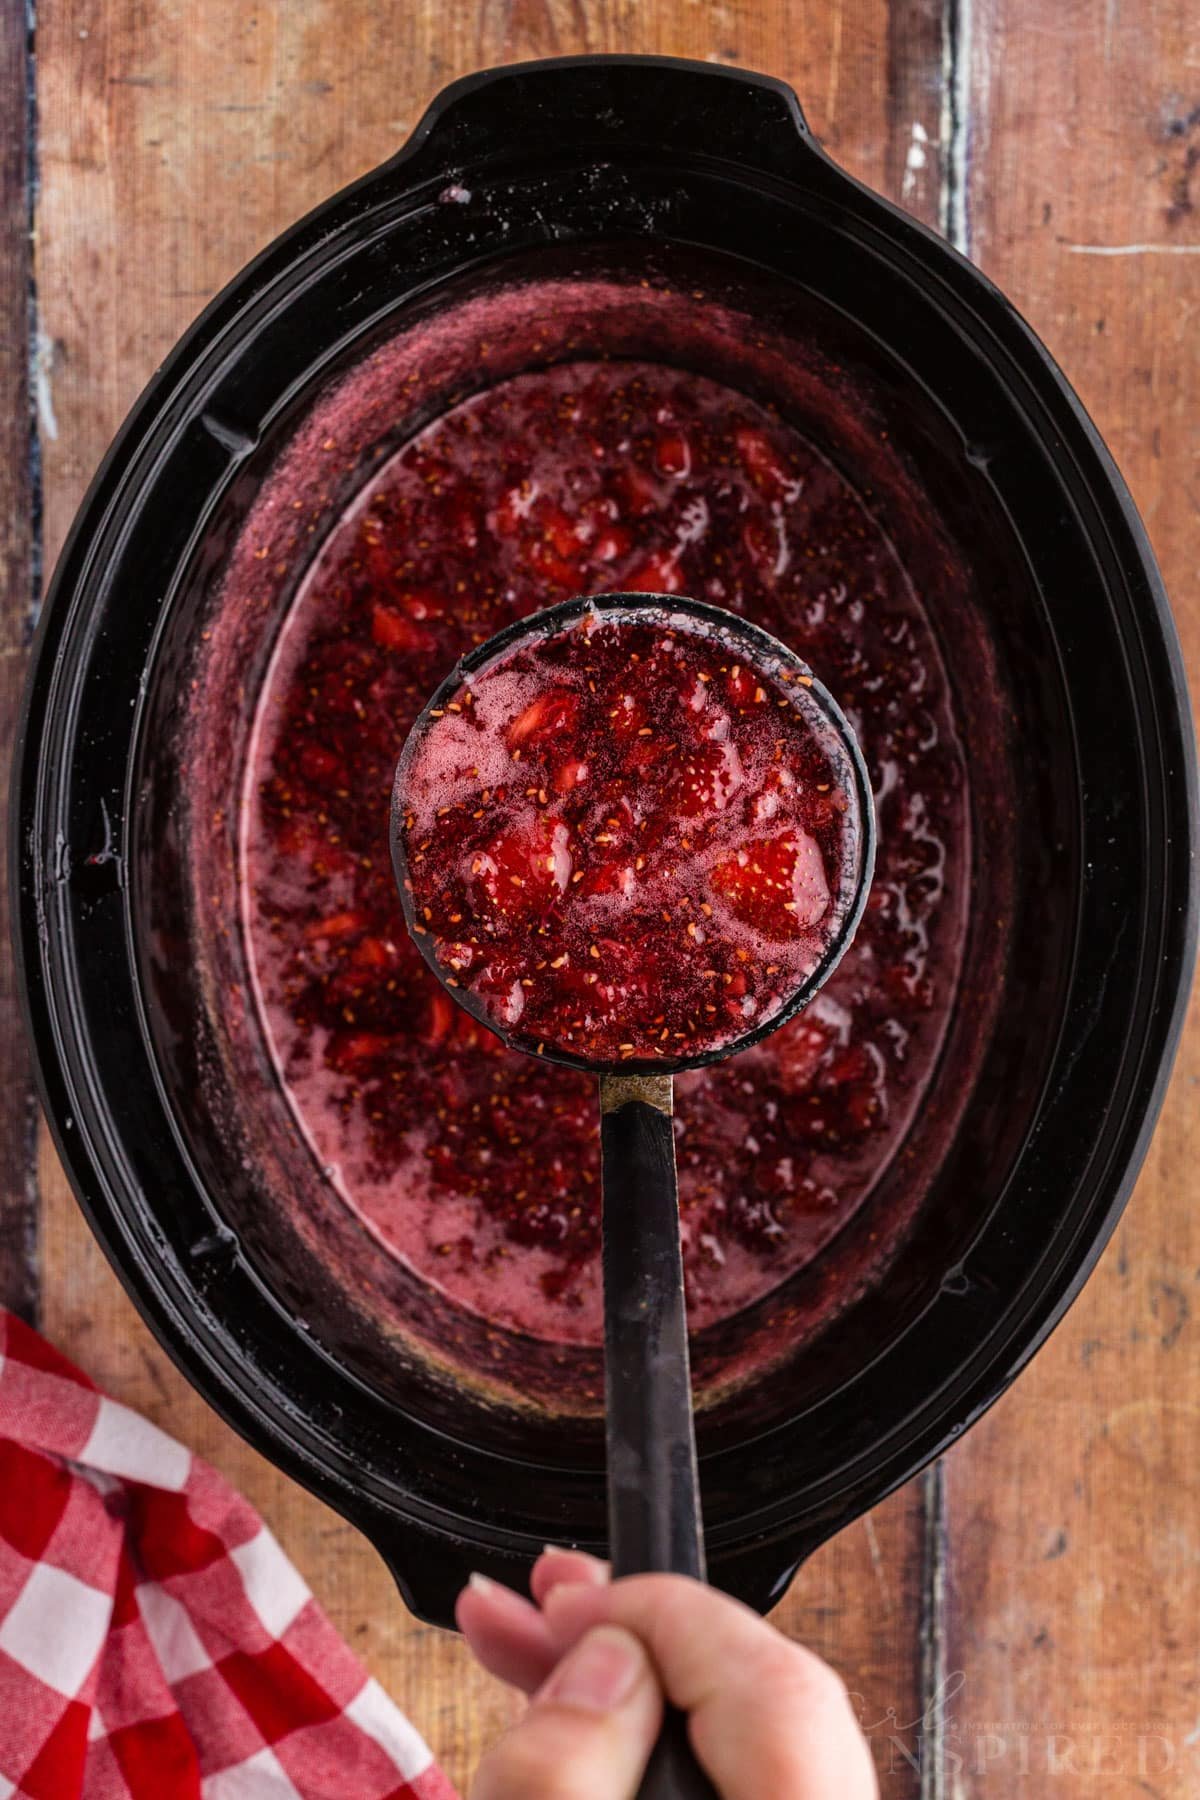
pixel 430 1572
pixel 431 1568
pixel 606 106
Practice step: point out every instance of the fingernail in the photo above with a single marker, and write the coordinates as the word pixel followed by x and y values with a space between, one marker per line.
pixel 598 1674
pixel 587 1568
pixel 495 1590
pixel 574 1550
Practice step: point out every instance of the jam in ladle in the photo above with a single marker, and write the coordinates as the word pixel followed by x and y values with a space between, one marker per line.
pixel 634 834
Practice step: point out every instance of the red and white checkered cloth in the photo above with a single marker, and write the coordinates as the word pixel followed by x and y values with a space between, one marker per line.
pixel 155 1642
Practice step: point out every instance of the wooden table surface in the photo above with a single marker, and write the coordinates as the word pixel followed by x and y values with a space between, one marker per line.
pixel 1044 1578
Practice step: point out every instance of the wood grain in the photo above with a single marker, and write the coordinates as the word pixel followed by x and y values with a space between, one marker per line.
pixel 18 545
pixel 1073 1510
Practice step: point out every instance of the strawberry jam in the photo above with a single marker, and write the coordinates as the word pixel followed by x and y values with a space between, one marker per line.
pixel 471 1162
pixel 629 835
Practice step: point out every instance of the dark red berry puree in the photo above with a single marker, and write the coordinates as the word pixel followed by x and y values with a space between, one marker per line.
pixel 630 837
pixel 474 1163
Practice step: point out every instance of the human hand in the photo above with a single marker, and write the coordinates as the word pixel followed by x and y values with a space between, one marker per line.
pixel 767 1719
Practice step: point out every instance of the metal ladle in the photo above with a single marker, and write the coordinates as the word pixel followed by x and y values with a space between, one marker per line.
pixel 654 1518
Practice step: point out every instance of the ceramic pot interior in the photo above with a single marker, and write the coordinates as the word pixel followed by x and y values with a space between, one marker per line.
pixel 929 483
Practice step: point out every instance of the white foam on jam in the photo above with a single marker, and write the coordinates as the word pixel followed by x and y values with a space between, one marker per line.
pixel 560 857
pixel 467 752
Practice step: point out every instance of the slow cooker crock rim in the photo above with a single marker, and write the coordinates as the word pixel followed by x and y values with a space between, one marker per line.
pixel 205 1364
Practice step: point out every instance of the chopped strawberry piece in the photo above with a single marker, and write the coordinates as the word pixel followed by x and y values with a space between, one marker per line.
pixel 373 953
pixel 456 955
pixel 396 631
pixel 741 684
pixel 799 1048
pixel 439 1017
pixel 560 531
pixel 549 565
pixel 336 925
pixel 569 775
pixel 607 878
pixel 710 775
pixel 595 515
pixel 777 785
pixel 545 718
pixel 673 453
pixel 647 750
pixel 777 885
pixel 636 492
pixel 610 544
pixel 658 573
pixel 348 1051
pixel 297 837
pixel 471 1034
pixel 524 872
pixel 628 714
pixel 320 766
pixel 765 465
pixel 853 1064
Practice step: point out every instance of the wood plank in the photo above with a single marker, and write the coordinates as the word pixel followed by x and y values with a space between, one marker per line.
pixel 172 148
pixel 1074 1550
pixel 18 1202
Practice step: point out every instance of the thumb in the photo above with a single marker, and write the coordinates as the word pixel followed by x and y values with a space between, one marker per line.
pixel 589 1729
pixel 765 1717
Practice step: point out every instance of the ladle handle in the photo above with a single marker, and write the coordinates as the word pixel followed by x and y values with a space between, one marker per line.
pixel 654 1523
